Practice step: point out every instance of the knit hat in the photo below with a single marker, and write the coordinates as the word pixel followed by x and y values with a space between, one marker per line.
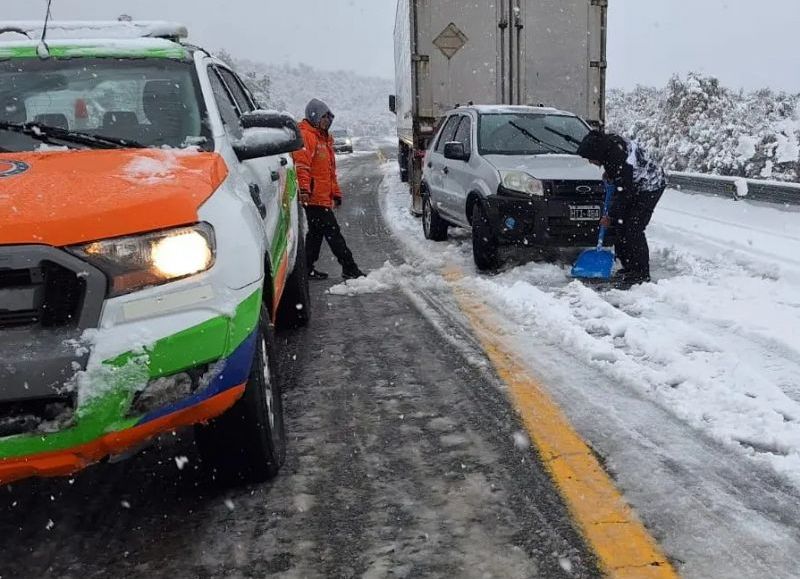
pixel 315 110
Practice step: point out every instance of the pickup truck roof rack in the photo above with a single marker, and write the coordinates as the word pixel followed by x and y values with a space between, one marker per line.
pixel 97 29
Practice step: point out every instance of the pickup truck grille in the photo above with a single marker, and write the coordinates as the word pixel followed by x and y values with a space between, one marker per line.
pixel 49 296
pixel 41 415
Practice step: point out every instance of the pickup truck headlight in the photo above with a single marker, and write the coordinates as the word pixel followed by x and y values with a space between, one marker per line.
pixel 521 182
pixel 137 262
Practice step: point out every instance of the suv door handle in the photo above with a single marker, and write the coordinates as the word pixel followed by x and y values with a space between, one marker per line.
pixel 284 161
pixel 446 170
pixel 275 176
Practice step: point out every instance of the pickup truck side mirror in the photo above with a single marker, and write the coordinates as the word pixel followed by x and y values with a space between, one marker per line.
pixel 266 134
pixel 456 151
pixel 393 103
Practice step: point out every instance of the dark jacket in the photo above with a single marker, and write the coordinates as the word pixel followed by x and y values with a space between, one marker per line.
pixel 627 166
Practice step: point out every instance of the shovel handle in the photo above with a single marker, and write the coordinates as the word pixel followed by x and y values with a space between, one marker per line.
pixel 609 187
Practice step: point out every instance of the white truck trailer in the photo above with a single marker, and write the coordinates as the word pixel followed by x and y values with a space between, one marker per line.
pixel 529 52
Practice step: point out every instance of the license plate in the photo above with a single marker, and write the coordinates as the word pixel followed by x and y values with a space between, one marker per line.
pixel 584 213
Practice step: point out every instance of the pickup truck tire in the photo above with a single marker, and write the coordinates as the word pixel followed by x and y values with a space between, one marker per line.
pixel 294 310
pixel 247 444
pixel 484 241
pixel 434 227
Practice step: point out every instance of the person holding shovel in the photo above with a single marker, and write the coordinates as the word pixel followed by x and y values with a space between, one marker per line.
pixel 639 183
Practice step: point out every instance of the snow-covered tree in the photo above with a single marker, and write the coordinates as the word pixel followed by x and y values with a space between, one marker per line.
pixel 695 124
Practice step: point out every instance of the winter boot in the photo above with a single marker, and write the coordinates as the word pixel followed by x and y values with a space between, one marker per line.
pixel 318 275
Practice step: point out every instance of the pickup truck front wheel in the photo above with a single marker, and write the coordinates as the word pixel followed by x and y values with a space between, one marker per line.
pixel 248 443
pixel 484 240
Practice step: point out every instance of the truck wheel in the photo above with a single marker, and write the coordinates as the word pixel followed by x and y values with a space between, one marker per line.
pixel 402 160
pixel 434 227
pixel 248 443
pixel 294 310
pixel 484 241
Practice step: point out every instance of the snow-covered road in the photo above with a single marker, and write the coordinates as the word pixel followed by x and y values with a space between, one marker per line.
pixel 689 387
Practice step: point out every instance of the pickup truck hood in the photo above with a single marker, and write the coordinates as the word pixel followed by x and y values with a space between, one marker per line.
pixel 548 167
pixel 67 197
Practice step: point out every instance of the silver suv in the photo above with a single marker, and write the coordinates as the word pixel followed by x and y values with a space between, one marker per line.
pixel 512 175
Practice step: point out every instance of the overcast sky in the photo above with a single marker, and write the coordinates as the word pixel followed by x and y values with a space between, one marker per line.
pixel 745 43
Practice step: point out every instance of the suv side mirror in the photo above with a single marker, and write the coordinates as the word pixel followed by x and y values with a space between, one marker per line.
pixel 267 133
pixel 393 103
pixel 456 151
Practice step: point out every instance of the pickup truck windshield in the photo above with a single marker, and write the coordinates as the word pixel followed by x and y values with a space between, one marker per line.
pixel 529 134
pixel 150 102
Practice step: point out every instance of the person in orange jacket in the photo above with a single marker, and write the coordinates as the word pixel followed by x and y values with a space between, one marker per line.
pixel 320 192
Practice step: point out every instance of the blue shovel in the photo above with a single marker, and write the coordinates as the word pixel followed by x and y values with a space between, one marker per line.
pixel 597 263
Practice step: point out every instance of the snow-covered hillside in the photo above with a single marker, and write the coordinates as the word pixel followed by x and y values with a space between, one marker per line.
pixel 694 124
pixel 360 103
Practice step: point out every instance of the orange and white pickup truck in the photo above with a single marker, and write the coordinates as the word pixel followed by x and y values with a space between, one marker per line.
pixel 150 240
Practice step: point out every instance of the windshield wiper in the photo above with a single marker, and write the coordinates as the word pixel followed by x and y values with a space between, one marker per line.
pixel 48 134
pixel 553 148
pixel 566 137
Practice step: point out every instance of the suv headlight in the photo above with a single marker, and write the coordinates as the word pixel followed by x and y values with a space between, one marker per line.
pixel 137 262
pixel 521 182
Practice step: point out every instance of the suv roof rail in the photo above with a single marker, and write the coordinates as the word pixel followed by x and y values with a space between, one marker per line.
pixel 98 29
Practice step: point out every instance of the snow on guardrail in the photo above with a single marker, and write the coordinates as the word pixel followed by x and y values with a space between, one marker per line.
pixel 737 187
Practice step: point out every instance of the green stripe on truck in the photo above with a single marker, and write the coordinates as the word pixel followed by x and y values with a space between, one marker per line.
pixel 105 394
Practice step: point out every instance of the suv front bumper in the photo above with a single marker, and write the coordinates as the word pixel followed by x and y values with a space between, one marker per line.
pixel 543 221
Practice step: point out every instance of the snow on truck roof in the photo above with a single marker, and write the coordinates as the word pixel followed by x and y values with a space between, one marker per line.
pixel 100 29
pixel 94 39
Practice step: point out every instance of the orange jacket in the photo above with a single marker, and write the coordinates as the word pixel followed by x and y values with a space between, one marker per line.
pixel 316 166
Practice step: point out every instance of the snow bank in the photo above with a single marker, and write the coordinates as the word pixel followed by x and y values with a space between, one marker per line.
pixel 713 341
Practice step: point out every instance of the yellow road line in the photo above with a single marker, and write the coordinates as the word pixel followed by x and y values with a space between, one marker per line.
pixel 620 541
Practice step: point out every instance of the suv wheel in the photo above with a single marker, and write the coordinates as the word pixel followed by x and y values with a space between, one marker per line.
pixel 434 227
pixel 248 442
pixel 294 310
pixel 484 241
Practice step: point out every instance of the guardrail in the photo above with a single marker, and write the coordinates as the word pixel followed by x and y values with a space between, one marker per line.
pixel 737 188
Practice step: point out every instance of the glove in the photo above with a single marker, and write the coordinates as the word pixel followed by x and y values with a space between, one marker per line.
pixel 337 201
pixel 305 196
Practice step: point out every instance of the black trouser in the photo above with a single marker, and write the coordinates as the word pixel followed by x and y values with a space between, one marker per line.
pixel 322 223
pixel 631 247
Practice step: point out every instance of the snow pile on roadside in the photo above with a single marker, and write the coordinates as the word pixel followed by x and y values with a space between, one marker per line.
pixel 387 277
pixel 713 341
pixel 696 125
pixel 377 281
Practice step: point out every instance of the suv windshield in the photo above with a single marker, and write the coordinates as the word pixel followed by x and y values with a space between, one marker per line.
pixel 340 134
pixel 152 102
pixel 529 134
